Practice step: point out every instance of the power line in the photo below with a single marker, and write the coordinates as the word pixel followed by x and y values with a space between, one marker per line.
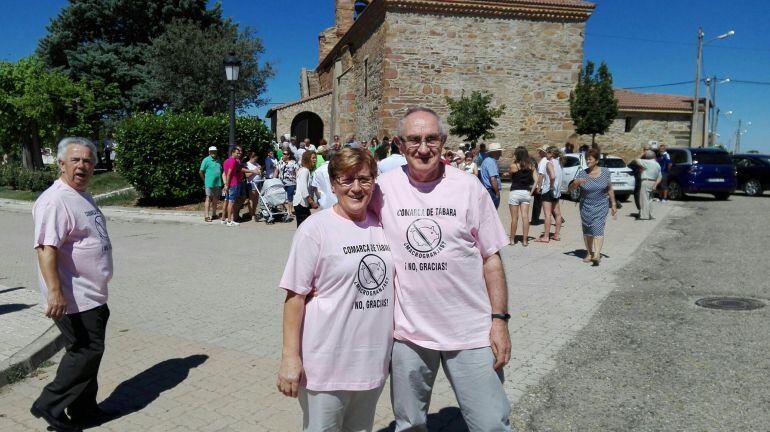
pixel 750 82
pixel 658 85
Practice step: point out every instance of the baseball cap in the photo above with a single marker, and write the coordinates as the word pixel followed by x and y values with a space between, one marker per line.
pixel 213 148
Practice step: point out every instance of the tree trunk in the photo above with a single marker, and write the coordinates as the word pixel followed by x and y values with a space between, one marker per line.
pixel 593 140
pixel 31 156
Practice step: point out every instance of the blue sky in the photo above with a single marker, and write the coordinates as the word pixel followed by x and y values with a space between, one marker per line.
pixel 644 42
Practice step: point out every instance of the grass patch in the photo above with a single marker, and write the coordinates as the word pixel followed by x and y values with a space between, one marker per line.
pixel 123 199
pixel 8 193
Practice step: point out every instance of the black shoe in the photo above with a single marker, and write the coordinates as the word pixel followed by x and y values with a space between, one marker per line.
pixel 59 424
pixel 93 417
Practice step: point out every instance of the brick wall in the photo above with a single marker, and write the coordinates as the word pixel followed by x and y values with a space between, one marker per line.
pixel 672 130
pixel 320 105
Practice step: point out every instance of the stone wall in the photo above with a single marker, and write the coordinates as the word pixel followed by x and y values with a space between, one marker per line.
pixel 321 105
pixel 367 78
pixel 671 129
pixel 530 66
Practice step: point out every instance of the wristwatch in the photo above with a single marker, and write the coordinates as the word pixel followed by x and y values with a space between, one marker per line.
pixel 502 316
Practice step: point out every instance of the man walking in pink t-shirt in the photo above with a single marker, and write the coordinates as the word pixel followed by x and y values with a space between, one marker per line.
pixel 74 266
pixel 451 294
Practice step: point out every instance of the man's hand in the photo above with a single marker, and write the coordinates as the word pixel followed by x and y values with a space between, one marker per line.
pixel 500 341
pixel 57 305
pixel 289 375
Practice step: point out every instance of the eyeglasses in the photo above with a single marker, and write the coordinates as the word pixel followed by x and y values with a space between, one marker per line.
pixel 363 182
pixel 415 141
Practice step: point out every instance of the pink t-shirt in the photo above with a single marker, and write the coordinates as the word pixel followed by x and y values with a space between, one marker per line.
pixel 70 221
pixel 439 233
pixel 347 334
pixel 233 166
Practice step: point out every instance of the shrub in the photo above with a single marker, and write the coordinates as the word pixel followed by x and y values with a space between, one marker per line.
pixel 19 178
pixel 160 154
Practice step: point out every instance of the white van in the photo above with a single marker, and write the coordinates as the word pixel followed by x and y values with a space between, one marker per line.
pixel 621 176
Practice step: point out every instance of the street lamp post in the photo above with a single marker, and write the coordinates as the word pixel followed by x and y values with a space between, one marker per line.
pixel 715 109
pixel 696 102
pixel 232 70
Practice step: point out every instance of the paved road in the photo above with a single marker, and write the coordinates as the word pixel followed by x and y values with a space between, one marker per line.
pixel 650 360
pixel 194 337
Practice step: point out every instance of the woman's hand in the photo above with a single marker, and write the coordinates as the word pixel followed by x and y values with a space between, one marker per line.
pixel 614 211
pixel 289 375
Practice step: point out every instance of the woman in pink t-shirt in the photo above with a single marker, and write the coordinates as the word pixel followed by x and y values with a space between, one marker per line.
pixel 337 341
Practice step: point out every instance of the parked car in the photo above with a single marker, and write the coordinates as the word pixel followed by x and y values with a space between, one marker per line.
pixel 623 181
pixel 753 173
pixel 701 170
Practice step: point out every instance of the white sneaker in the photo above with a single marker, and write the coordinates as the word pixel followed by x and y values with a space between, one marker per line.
pixel 233 223
pixel 662 201
pixel 224 221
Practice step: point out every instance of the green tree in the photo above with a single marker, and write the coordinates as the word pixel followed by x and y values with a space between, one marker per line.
pixel 184 67
pixel 40 106
pixel 108 40
pixel 592 105
pixel 472 117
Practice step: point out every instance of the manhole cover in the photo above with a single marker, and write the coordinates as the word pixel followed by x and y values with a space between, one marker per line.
pixel 730 303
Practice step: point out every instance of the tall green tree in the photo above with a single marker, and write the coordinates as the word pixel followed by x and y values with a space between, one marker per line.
pixel 592 105
pixel 473 117
pixel 38 106
pixel 108 40
pixel 185 71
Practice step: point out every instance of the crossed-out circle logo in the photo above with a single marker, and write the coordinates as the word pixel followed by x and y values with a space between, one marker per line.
pixel 101 226
pixel 423 238
pixel 372 276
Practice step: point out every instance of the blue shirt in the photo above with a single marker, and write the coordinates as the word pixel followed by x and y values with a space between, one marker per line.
pixel 269 167
pixel 488 170
pixel 664 160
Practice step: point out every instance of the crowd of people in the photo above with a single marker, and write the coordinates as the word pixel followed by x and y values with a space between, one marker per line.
pixel 396 275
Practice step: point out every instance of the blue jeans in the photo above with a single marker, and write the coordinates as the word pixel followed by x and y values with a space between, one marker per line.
pixel 234 192
pixel 495 198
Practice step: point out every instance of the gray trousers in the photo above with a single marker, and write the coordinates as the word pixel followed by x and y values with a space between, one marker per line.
pixel 334 411
pixel 477 386
pixel 645 198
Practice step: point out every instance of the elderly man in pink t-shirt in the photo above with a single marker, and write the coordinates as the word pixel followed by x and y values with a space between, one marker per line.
pixel 74 266
pixel 451 294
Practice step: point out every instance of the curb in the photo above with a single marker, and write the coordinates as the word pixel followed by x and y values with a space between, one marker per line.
pixel 19 365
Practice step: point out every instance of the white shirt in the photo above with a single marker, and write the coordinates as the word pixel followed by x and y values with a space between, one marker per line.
pixel 558 173
pixel 303 188
pixel 545 186
pixel 322 183
pixel 393 161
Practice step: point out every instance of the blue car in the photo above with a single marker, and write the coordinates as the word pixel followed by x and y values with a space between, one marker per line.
pixel 701 170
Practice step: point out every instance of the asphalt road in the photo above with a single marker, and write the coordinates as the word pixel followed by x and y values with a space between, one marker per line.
pixel 650 359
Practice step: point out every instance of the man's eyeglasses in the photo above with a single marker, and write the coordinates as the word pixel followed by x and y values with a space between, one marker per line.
pixel 348 182
pixel 415 141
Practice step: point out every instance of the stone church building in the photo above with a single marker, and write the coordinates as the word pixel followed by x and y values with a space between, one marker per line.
pixel 378 61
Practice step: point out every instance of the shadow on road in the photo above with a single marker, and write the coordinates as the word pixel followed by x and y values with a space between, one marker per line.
pixel 449 419
pixel 7 290
pixel 13 307
pixel 136 393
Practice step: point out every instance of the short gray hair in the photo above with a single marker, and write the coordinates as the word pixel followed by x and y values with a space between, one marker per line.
pixel 68 141
pixel 442 129
pixel 649 154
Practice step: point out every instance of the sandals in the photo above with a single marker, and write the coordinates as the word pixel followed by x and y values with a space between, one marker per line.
pixel 207 219
pixel 588 258
pixel 595 259
pixel 542 240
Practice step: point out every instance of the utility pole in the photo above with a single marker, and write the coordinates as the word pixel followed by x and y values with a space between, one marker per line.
pixel 705 140
pixel 695 103
pixel 738 139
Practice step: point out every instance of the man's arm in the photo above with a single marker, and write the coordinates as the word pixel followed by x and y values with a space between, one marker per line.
pixel 494 278
pixel 290 371
pixel 203 176
pixel 493 183
pixel 47 258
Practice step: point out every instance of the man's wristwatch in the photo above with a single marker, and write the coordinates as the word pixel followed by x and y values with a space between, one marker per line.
pixel 502 316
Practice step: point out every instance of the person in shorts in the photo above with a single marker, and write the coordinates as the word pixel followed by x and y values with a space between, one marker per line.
pixel 211 174
pixel 233 180
pixel 523 179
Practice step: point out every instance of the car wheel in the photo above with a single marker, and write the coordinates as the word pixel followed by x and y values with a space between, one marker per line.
pixel 675 191
pixel 753 187
pixel 622 197
pixel 722 196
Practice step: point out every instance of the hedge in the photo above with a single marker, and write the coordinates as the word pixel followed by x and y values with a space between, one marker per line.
pixel 19 178
pixel 160 155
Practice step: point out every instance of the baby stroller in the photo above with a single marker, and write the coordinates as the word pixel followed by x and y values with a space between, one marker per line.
pixel 273 201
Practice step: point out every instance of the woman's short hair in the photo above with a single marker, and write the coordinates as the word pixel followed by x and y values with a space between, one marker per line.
pixel 594 153
pixel 307 159
pixel 554 151
pixel 68 141
pixel 350 160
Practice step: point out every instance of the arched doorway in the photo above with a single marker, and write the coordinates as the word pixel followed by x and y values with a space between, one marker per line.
pixel 307 125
